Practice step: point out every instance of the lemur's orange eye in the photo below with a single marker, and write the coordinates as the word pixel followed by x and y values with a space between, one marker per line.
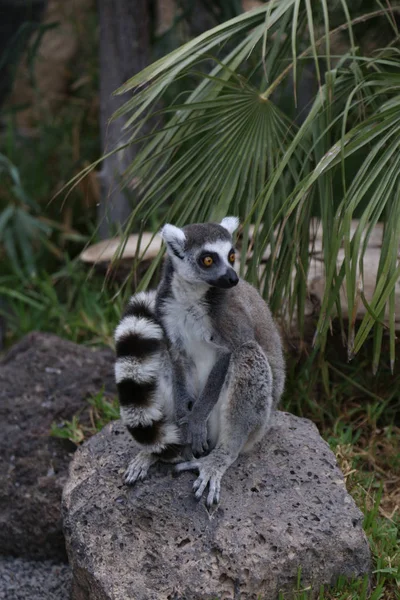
pixel 207 261
pixel 232 257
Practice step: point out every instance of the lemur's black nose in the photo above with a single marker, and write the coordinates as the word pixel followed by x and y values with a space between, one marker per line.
pixel 228 280
pixel 233 279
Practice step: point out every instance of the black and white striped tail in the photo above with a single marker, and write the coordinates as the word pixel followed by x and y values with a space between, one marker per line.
pixel 144 378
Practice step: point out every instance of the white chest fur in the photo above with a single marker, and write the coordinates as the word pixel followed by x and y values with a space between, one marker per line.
pixel 189 329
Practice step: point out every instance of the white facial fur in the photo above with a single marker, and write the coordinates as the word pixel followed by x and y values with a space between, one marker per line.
pixel 222 248
pixel 230 224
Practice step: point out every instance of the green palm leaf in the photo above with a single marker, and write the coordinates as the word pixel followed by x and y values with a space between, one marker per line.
pixel 235 145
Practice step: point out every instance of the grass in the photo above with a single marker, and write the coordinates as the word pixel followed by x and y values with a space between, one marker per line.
pixel 70 303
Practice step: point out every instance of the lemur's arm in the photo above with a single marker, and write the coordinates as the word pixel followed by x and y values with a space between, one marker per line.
pixel 183 400
pixel 197 419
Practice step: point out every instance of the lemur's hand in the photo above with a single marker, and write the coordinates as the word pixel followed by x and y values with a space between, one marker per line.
pixel 197 436
pixel 194 433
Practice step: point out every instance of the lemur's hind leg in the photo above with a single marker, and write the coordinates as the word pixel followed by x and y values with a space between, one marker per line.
pixel 244 406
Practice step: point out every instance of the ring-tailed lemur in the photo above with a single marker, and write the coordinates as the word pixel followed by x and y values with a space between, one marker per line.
pixel 199 362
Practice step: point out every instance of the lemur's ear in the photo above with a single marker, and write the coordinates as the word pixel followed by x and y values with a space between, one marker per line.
pixel 230 224
pixel 175 240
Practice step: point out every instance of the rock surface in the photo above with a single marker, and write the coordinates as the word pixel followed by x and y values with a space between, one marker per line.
pixel 42 379
pixel 22 579
pixel 283 506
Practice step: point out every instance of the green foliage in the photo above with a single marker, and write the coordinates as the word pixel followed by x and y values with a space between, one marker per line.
pixel 231 146
pixel 69 303
pixel 20 226
pixel 35 233
pixel 68 430
pixel 101 411
pixel 344 590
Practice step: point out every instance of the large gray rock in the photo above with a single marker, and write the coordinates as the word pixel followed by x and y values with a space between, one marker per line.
pixel 283 506
pixel 42 379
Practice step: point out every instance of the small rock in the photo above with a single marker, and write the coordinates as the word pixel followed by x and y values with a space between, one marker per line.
pixel 51 370
pixel 281 509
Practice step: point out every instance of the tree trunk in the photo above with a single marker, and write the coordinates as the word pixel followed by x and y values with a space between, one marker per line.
pixel 124 51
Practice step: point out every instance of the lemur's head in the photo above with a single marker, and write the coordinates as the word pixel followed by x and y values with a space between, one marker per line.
pixel 203 252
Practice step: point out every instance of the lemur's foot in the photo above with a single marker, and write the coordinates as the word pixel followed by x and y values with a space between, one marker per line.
pixel 210 473
pixel 138 467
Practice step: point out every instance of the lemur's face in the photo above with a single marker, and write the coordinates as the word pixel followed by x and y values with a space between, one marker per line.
pixel 211 263
pixel 203 253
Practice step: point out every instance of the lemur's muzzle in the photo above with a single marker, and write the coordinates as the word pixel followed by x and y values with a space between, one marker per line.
pixel 228 280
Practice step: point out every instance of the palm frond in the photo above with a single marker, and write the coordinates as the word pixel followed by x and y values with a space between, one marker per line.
pixel 235 144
